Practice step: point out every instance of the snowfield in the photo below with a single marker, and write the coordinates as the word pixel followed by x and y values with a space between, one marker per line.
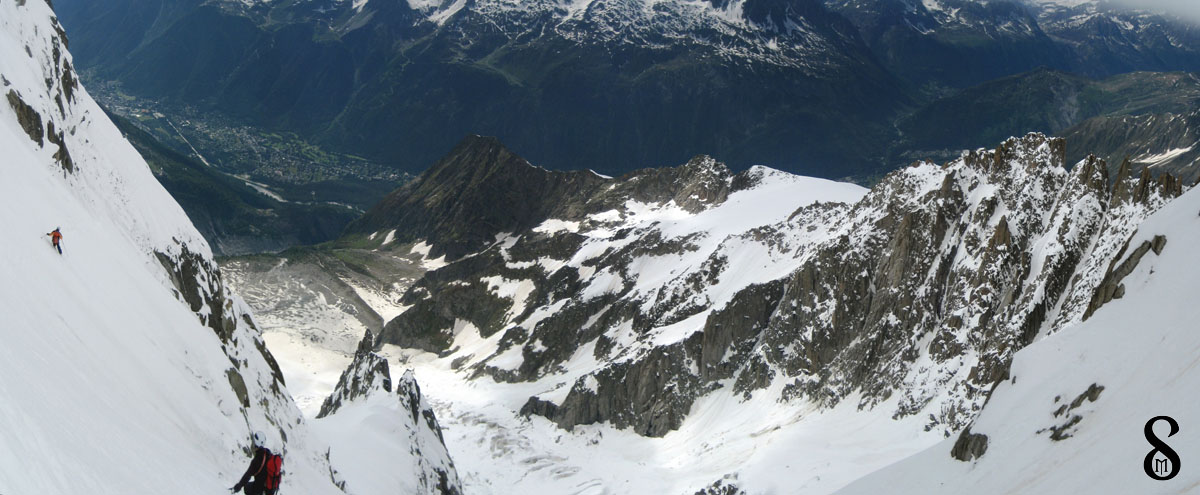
pixel 765 446
pixel 104 370
pixel 109 382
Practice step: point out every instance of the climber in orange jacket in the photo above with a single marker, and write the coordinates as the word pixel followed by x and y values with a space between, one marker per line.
pixel 55 238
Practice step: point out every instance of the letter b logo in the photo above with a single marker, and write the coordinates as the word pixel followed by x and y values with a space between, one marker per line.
pixel 1161 469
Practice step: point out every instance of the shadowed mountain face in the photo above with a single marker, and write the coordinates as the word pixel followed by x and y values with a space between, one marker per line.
pixel 1110 117
pixel 841 88
pixel 612 87
pixel 479 190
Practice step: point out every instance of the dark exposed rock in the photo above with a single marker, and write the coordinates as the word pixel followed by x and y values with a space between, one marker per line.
pixel 539 407
pixel 410 394
pixel 198 282
pixel 731 333
pixel 429 324
pixel 651 395
pixel 442 480
pixel 969 446
pixel 368 375
pixel 1158 243
pixel 1091 394
pixel 698 184
pixel 62 156
pixel 69 82
pixel 30 119
pixel 721 488
pixel 1064 431
pixel 238 385
pixel 1111 288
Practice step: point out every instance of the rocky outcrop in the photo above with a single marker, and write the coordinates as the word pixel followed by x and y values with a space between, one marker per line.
pixel 969 446
pixel 367 373
pixel 62 156
pixel 60 88
pixel 367 382
pixel 721 488
pixel 1071 419
pixel 652 395
pixel 1111 287
pixel 30 119
pixel 197 281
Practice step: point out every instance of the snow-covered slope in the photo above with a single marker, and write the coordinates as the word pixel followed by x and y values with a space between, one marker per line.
pixel 126 365
pixel 105 369
pixel 361 407
pixel 1071 418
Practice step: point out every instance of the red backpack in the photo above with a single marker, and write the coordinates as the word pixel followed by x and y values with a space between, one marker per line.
pixel 274 469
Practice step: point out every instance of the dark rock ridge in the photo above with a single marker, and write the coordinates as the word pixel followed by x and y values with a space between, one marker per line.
pixel 198 284
pixel 914 298
pixel 367 372
pixel 477 191
pixel 1159 139
pixel 1111 287
pixel 481 189
pixel 1067 429
pixel 30 120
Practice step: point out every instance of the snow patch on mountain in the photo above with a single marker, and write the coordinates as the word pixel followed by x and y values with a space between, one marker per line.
pixel 788 39
pixel 1158 159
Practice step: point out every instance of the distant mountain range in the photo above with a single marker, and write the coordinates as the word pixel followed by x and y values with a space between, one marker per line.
pixel 803 85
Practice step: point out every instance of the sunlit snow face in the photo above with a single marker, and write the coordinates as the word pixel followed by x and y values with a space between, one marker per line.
pixel 1188 9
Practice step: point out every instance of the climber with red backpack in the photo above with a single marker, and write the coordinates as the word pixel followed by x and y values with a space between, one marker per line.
pixel 266 469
